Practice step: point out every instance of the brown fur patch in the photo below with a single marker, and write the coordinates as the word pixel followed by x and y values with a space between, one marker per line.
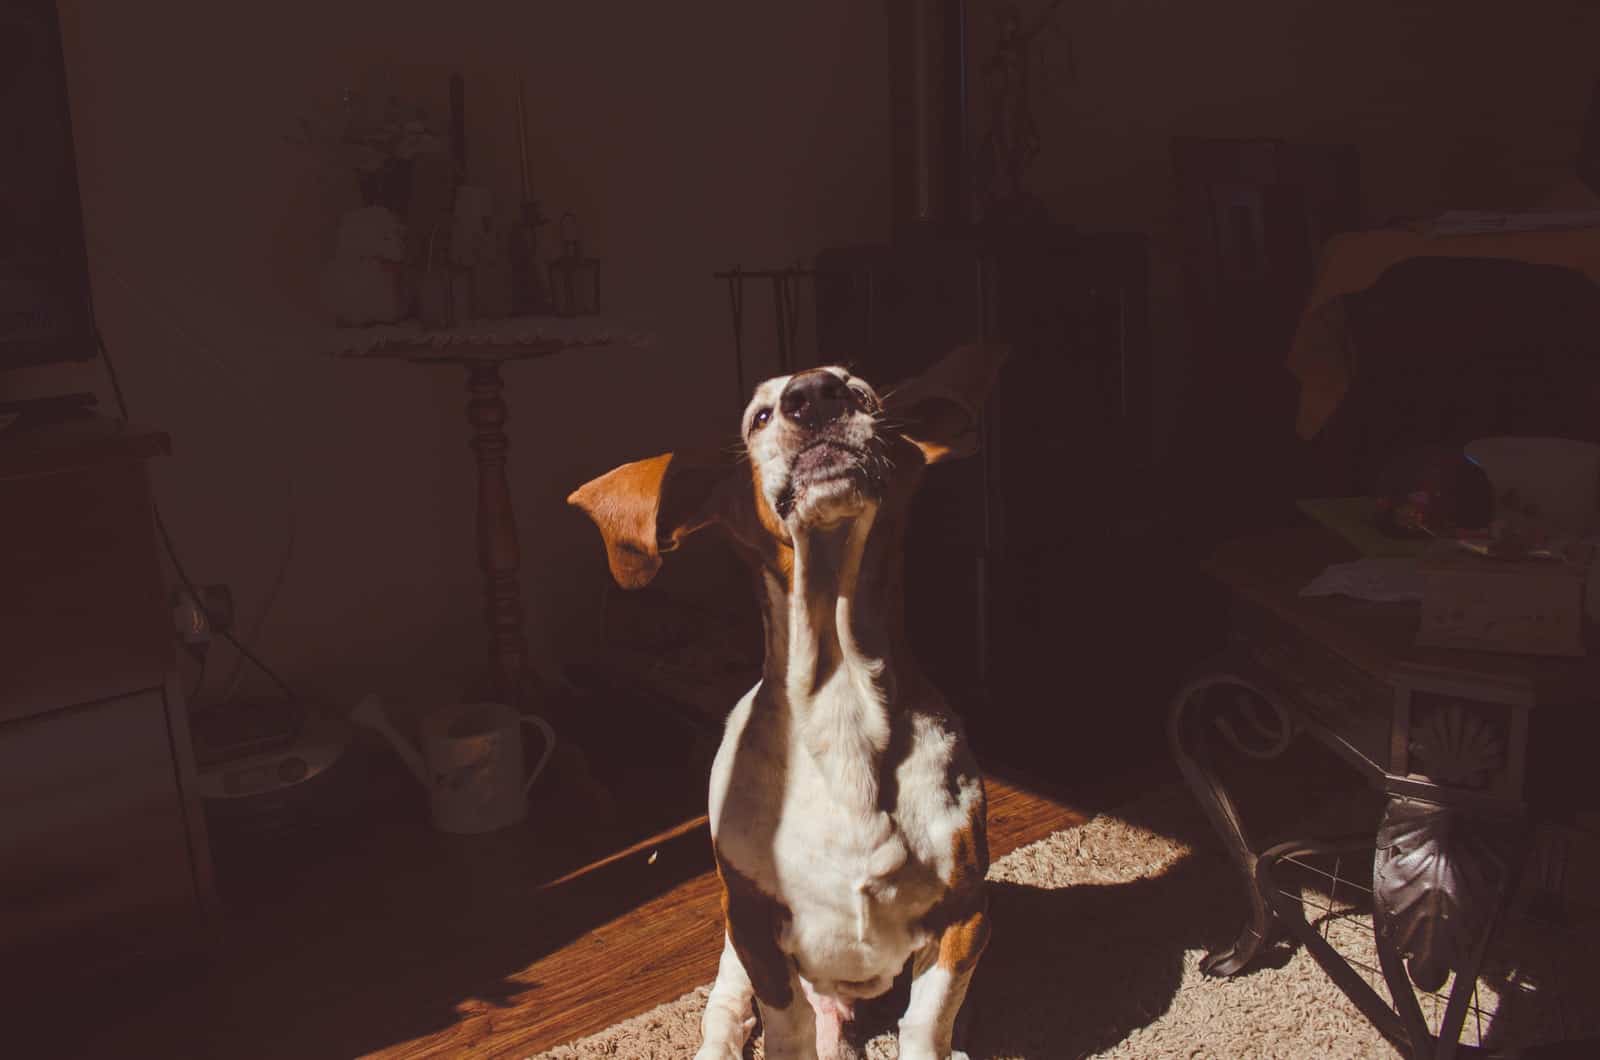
pixel 623 504
pixel 939 409
pixel 961 917
pixel 969 850
pixel 754 919
pixel 963 942
pixel 648 507
pixel 756 528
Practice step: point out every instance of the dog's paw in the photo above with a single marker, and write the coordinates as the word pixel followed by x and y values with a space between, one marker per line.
pixel 727 1049
pixel 930 1054
pixel 729 1046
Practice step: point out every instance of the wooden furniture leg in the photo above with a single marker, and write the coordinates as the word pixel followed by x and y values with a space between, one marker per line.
pixel 500 557
pixel 498 553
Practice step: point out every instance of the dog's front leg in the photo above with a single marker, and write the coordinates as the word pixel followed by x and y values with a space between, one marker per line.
pixel 788 1022
pixel 788 1031
pixel 727 1022
pixel 940 972
pixel 753 958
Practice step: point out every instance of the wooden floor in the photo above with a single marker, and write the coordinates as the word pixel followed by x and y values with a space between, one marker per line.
pixel 433 960
pixel 657 952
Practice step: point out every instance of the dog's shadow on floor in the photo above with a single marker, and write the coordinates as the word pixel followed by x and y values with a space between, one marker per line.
pixel 1073 970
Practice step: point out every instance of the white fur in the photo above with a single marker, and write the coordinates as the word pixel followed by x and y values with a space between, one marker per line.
pixel 726 1025
pixel 929 1020
pixel 795 799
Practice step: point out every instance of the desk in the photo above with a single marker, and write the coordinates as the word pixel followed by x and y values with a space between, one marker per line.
pixel 1468 748
pixel 481 348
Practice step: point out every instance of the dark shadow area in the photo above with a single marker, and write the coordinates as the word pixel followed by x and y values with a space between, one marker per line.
pixel 1101 960
pixel 1074 970
pixel 348 934
pixel 1149 235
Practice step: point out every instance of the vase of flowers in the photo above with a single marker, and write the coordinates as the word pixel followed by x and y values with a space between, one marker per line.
pixel 378 145
pixel 370 278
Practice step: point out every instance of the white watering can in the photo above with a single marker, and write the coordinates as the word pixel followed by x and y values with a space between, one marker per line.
pixel 470 761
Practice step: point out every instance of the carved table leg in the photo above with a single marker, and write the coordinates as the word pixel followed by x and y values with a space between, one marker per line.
pixel 498 552
pixel 500 557
pixel 1199 711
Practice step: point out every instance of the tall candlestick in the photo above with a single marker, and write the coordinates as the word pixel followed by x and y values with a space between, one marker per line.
pixel 522 142
pixel 458 126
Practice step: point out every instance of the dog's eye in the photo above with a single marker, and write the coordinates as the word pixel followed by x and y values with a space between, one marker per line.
pixel 761 418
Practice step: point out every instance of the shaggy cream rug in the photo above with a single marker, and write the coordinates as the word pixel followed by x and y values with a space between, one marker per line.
pixel 1099 932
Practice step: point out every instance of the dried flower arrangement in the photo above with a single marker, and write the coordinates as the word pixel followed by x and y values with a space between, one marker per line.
pixel 376 144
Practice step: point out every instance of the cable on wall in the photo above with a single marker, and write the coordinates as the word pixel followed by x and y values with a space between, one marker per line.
pixel 166 537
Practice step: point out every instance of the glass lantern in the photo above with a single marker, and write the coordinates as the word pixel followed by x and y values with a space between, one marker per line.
pixel 574 279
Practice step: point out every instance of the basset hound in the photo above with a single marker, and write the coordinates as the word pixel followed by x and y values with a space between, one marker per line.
pixel 847 812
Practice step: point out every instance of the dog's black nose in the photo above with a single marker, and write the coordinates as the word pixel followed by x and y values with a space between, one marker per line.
pixel 814 398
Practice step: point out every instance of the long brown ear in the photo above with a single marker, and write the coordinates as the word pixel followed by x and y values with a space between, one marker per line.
pixel 649 506
pixel 938 410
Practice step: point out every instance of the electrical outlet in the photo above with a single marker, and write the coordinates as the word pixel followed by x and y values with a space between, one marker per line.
pixel 197 623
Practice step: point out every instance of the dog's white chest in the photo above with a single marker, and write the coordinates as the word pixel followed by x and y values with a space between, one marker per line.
pixel 855 893
pixel 855 880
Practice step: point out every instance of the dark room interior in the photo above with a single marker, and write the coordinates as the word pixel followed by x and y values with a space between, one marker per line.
pixel 1183 417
